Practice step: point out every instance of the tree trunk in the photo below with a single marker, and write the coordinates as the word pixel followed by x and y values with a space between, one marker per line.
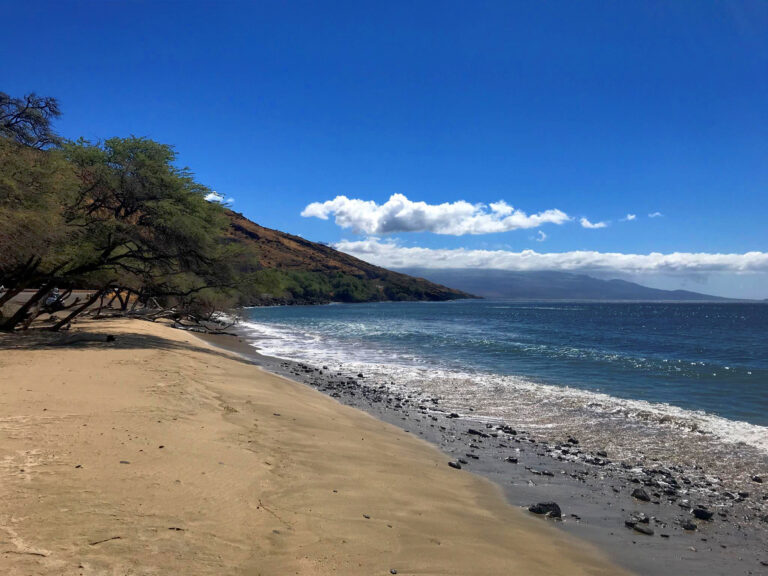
pixel 114 297
pixel 10 293
pixel 123 301
pixel 19 280
pixel 95 296
pixel 20 315
pixel 137 301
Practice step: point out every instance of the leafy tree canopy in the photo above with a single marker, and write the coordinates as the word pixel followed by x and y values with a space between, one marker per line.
pixel 28 120
pixel 117 213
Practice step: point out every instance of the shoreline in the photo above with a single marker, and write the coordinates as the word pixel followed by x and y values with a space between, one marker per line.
pixel 157 452
pixel 594 492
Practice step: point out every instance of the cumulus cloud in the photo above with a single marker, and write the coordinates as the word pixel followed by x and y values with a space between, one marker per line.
pixel 392 255
pixel 629 217
pixel 585 223
pixel 655 215
pixel 216 197
pixel 399 214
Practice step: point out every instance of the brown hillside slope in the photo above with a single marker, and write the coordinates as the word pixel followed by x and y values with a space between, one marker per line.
pixel 297 271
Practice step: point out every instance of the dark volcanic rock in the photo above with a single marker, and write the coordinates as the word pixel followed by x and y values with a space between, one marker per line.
pixel 703 514
pixel 758 479
pixel 643 529
pixel 548 508
pixel 687 525
pixel 641 494
pixel 455 465
pixel 597 461
pixel 636 519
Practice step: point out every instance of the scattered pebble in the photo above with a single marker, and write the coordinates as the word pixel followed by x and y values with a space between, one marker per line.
pixel 546 508
pixel 688 525
pixel 641 494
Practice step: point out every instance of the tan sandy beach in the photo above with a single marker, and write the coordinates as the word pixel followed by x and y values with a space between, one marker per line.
pixel 161 454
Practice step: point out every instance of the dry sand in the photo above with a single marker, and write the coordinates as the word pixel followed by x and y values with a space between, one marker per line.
pixel 161 454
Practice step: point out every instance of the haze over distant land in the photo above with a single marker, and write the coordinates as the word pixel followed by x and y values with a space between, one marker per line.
pixel 550 285
pixel 740 276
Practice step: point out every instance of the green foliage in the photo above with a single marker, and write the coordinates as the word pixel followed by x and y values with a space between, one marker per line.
pixel 35 188
pixel 275 286
pixel 115 213
pixel 28 120
pixel 139 213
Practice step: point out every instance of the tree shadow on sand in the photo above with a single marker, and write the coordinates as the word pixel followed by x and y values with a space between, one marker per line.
pixel 84 339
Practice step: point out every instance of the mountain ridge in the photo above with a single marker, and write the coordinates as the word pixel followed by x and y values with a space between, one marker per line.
pixel 293 270
pixel 552 285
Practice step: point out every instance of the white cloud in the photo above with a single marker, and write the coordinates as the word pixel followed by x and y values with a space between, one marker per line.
pixel 214 196
pixel 392 255
pixel 541 237
pixel 399 214
pixel 655 215
pixel 629 217
pixel 592 225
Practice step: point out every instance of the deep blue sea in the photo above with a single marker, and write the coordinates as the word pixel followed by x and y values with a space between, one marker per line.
pixel 659 371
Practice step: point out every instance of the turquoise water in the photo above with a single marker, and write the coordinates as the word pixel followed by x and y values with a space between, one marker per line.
pixel 700 366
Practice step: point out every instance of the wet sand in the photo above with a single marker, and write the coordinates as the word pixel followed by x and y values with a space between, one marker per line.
pixel 158 453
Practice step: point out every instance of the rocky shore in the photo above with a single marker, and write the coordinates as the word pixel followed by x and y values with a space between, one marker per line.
pixel 649 516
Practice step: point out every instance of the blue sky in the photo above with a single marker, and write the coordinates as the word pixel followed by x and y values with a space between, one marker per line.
pixel 594 109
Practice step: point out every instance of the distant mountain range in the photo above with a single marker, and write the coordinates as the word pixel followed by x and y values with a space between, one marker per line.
pixel 546 285
pixel 292 270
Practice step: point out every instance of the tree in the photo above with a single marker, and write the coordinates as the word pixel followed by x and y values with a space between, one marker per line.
pixel 137 222
pixel 28 120
pixel 32 184
pixel 35 188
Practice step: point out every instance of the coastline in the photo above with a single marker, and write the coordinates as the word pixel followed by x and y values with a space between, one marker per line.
pixel 594 493
pixel 158 452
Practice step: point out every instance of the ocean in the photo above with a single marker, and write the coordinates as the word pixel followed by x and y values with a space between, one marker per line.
pixel 686 384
